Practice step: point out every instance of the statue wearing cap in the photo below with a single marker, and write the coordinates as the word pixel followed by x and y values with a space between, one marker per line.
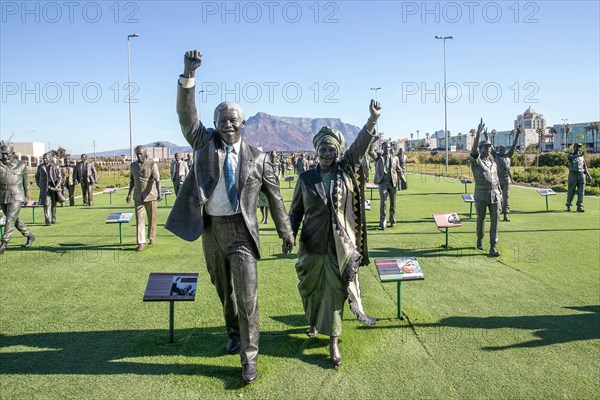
pixel 577 174
pixel 488 194
pixel 328 202
pixel 14 190
pixel 502 160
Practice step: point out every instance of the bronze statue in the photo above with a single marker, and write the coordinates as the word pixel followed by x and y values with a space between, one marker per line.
pixel 14 191
pixel 144 183
pixel 577 173
pixel 85 174
pixel 502 160
pixel 387 171
pixel 218 201
pixel 48 179
pixel 487 189
pixel 179 170
pixel 67 172
pixel 329 203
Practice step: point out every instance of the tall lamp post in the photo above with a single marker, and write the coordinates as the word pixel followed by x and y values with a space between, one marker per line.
pixel 564 141
pixel 133 35
pixel 445 95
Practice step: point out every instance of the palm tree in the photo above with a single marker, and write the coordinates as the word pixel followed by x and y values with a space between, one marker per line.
pixel 594 127
pixel 568 130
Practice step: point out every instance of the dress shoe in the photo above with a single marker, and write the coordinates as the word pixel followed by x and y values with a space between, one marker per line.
pixel 334 351
pixel 30 240
pixel 249 373
pixel 568 207
pixel 506 218
pixel 53 220
pixel 479 244
pixel 393 225
pixel 580 209
pixel 3 245
pixel 312 331
pixel 233 346
pixel 381 228
pixel 494 252
pixel 152 242
pixel 140 247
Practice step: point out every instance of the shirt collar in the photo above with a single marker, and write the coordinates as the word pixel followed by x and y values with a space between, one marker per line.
pixel 236 146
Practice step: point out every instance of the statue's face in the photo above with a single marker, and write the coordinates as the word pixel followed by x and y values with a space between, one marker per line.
pixel 46 158
pixel 140 154
pixel 83 158
pixel 177 157
pixel 229 125
pixel 484 151
pixel 502 150
pixel 385 148
pixel 5 157
pixel 327 154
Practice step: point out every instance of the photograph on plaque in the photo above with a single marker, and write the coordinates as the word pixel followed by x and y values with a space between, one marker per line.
pixel 453 219
pixel 184 286
pixel 468 197
pixel 405 268
pixel 546 192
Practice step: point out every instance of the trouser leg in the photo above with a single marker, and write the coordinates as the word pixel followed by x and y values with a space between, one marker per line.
pixel 176 187
pixel 580 190
pixel 71 189
pixel 90 196
pixel 572 185
pixel 480 209
pixel 151 212
pixel 383 194
pixel 140 219
pixel 505 187
pixel 84 193
pixel 392 191
pixel 231 263
pixel 11 211
pixel 494 216
pixel 48 210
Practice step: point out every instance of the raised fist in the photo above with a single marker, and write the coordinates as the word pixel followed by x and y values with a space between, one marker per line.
pixel 191 62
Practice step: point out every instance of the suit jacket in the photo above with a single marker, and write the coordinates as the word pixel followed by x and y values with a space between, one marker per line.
pixel 13 182
pixel 256 175
pixel 47 177
pixel 85 172
pixel 395 168
pixel 67 172
pixel 183 170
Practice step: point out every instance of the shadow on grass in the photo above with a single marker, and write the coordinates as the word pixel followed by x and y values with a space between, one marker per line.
pixel 146 352
pixel 549 329
pixel 423 252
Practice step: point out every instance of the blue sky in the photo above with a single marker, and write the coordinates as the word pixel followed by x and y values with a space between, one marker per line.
pixel 63 65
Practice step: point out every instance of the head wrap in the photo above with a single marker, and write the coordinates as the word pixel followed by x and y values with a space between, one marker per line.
pixel 327 134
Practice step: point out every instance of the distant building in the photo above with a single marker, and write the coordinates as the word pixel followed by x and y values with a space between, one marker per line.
pixel 562 140
pixel 29 152
pixel 159 153
pixel 531 122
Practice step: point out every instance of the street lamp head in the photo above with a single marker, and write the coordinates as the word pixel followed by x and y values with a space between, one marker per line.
pixel 133 35
pixel 449 37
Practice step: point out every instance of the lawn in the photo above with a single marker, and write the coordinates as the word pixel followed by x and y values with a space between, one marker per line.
pixel 525 325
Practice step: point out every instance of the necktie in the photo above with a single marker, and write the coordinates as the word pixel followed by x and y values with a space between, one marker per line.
pixel 385 165
pixel 232 193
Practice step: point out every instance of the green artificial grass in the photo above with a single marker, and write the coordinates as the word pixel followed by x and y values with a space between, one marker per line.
pixel 525 325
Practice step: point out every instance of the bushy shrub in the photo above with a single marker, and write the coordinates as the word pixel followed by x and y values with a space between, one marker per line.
pixel 595 162
pixel 553 159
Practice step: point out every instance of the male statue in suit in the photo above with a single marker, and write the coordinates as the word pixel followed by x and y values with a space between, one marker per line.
pixel 387 168
pixel 179 170
pixel 48 179
pixel 85 173
pixel 218 201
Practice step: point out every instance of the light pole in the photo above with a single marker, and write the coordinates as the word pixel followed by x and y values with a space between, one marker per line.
pixel 564 136
pixel 445 95
pixel 133 35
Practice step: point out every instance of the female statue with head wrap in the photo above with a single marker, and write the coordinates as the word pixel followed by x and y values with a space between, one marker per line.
pixel 329 202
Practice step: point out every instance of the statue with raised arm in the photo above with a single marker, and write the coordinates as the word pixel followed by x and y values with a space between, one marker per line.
pixel 487 189
pixel 502 159
pixel 218 201
pixel 329 204
pixel 577 174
